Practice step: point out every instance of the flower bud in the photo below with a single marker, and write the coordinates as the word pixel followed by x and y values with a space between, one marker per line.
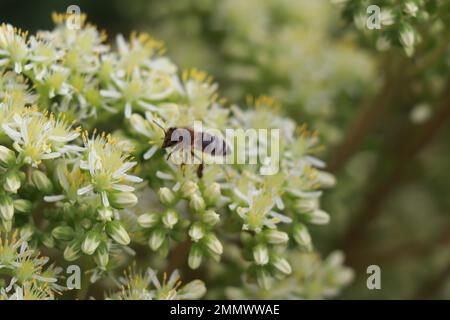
pixel 197 203
pixel 307 205
pixel 72 251
pixel 12 182
pixel 195 257
pixel 214 244
pixel 326 179
pixel 212 193
pixel 148 220
pixel 48 241
pixel 123 200
pixel 264 279
pixel 261 255
pixel 101 257
pixel 65 233
pixel 166 196
pixel 193 290
pixel 210 217
pixel 318 217
pixel 196 232
pixel 156 239
pixel 118 233
pixel 6 225
pixel 276 237
pixel 90 243
pixel 22 205
pixel 170 218
pixel 188 189
pixel 26 232
pixel 41 182
pixel 7 157
pixel 301 235
pixel 282 265
pixel 105 214
pixel 6 207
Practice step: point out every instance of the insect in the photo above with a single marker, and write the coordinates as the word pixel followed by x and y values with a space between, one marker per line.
pixel 184 138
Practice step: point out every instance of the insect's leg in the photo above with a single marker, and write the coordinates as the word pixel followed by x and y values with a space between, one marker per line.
pixel 200 170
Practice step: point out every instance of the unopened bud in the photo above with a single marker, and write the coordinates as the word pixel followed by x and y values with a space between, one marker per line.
pixel 276 237
pixel 196 232
pixel 65 233
pixel 166 196
pixel 118 233
pixel 264 279
pixel 212 193
pixel 48 241
pixel 210 217
pixel 41 182
pixel 307 205
pixel 6 207
pixel 318 217
pixel 123 200
pixel 156 239
pixel 197 203
pixel 22 205
pixel 170 218
pixel 193 290
pixel 188 189
pixel 302 236
pixel 7 157
pixel 105 214
pixel 90 243
pixel 214 244
pixel 102 256
pixel 148 220
pixel 12 182
pixel 195 257
pixel 72 251
pixel 261 255
pixel 282 265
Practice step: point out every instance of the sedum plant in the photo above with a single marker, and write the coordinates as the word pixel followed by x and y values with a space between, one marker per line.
pixel 85 177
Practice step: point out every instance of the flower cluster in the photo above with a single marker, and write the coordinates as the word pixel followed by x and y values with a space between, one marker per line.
pixel 97 198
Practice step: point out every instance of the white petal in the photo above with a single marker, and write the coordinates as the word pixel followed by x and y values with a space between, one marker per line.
pixel 84 190
pixel 122 187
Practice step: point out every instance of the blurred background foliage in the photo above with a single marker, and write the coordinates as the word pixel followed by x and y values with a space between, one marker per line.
pixel 380 102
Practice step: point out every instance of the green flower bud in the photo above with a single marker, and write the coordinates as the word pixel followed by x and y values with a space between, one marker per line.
pixel 196 232
pixel 307 205
pixel 193 290
pixel 214 244
pixel 101 257
pixel 318 217
pixel 64 233
pixel 123 200
pixel 326 179
pixel 90 243
pixel 105 214
pixel 212 193
pixel 118 233
pixel 22 205
pixel 41 182
pixel 156 239
pixel 210 217
pixel 188 189
pixel 6 225
pixel 48 241
pixel 195 257
pixel 7 157
pixel 12 182
pixel 276 237
pixel 6 207
pixel 148 220
pixel 26 232
pixel 197 203
pixel 170 218
pixel 282 265
pixel 72 251
pixel 302 236
pixel 261 255
pixel 166 196
pixel 264 279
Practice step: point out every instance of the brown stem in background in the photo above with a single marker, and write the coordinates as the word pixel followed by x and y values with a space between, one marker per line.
pixel 431 288
pixel 406 151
